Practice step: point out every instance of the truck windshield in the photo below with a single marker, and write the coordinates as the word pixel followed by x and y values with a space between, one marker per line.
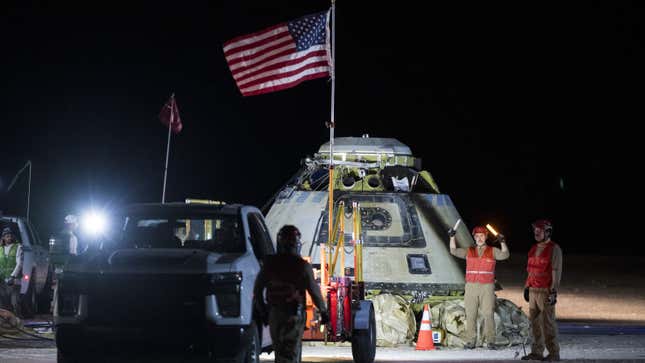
pixel 221 233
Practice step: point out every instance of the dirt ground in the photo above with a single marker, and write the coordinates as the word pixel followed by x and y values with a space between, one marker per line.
pixel 593 288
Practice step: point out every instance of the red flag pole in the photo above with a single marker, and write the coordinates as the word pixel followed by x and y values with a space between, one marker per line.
pixel 165 172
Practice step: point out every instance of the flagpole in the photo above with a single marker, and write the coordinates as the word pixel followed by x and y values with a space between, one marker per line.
pixel 332 124
pixel 165 172
pixel 29 189
pixel 15 179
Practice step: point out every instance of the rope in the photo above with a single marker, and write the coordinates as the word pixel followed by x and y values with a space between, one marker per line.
pixel 35 335
pixel 14 338
pixel 7 323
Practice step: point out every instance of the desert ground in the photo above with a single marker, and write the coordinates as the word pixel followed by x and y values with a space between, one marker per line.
pixel 593 289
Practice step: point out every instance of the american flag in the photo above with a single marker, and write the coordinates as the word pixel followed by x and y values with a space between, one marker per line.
pixel 281 56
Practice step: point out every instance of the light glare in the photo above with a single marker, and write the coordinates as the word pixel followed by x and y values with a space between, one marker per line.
pixel 94 223
pixel 491 229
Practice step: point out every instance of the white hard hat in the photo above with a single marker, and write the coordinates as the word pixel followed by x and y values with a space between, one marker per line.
pixel 71 219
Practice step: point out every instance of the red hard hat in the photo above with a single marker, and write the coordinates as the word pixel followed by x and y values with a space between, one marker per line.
pixel 288 238
pixel 480 229
pixel 543 224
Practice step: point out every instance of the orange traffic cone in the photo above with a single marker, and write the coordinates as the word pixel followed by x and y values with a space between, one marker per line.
pixel 424 341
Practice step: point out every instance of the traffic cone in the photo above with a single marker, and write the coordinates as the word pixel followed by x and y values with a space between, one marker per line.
pixel 424 341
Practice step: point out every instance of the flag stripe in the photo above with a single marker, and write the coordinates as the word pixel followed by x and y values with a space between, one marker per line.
pixel 259 49
pixel 284 71
pixel 254 44
pixel 278 57
pixel 285 75
pixel 284 86
pixel 270 51
pixel 253 37
pixel 285 60
pixel 289 48
pixel 282 82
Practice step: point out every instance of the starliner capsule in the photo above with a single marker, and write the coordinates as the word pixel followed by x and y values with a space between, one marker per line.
pixel 404 217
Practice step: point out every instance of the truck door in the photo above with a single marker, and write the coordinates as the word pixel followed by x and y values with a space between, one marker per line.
pixel 41 256
pixel 260 238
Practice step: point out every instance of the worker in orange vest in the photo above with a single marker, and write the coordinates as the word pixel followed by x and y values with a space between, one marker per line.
pixel 480 283
pixel 544 269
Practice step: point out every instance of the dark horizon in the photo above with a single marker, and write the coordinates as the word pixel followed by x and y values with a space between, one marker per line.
pixel 518 112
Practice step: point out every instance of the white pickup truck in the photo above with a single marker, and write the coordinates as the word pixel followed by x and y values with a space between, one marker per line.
pixel 176 280
pixel 37 273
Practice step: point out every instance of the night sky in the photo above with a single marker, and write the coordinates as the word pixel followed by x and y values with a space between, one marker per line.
pixel 519 111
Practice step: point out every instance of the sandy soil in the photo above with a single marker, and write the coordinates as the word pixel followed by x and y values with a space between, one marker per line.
pixel 580 348
pixel 593 288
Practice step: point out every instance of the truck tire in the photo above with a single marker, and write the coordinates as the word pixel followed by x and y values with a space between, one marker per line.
pixel 45 296
pixel 66 358
pixel 28 303
pixel 251 351
pixel 364 341
pixel 70 346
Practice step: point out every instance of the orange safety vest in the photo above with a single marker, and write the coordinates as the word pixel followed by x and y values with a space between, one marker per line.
pixel 539 267
pixel 480 269
pixel 286 279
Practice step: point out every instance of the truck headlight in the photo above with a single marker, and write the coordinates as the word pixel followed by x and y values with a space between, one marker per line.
pixel 226 287
pixel 228 304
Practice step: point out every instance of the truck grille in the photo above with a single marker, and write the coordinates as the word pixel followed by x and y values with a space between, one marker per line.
pixel 153 300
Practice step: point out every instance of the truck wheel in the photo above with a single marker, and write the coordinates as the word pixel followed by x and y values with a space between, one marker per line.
pixel 364 342
pixel 28 303
pixel 45 296
pixel 250 351
pixel 65 358
pixel 69 345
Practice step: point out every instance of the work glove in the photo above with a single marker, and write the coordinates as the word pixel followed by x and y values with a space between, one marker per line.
pixel 262 311
pixel 501 238
pixel 552 298
pixel 10 281
pixel 265 317
pixel 526 294
pixel 451 232
pixel 324 317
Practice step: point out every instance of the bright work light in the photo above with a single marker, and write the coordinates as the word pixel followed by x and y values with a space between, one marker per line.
pixel 94 223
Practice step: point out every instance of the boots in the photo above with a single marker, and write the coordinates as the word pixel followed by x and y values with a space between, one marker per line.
pixel 532 356
pixel 552 357
pixel 495 346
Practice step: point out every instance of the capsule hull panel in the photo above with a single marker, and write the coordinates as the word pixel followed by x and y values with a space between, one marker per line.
pixel 405 239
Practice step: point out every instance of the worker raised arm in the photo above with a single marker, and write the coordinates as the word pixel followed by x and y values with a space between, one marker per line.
pixel 479 296
pixel 454 250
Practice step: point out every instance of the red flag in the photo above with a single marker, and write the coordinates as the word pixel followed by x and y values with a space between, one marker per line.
pixel 169 115
pixel 281 56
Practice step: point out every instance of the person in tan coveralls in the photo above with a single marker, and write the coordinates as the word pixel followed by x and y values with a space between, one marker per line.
pixel 544 269
pixel 480 283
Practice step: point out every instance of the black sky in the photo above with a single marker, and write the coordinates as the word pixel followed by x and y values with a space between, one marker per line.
pixel 504 102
